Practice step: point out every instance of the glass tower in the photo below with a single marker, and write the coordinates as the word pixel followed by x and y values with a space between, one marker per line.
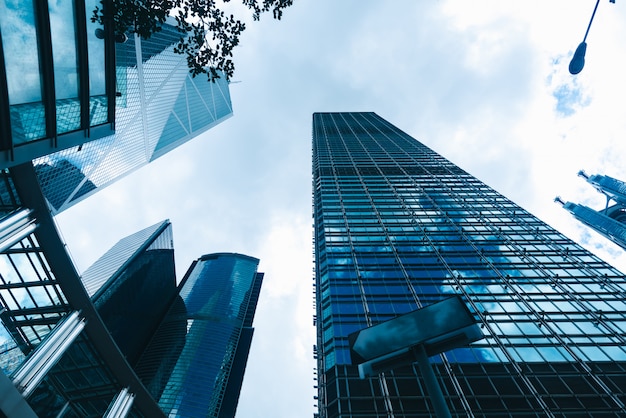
pixel 159 106
pixel 610 221
pixel 398 227
pixel 132 285
pixel 195 363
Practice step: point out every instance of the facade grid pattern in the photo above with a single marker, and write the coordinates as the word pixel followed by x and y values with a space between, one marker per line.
pixel 193 365
pixel 59 93
pixel 398 227
pixel 33 302
pixel 159 106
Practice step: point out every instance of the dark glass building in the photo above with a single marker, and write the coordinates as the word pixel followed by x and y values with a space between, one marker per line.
pixel 195 362
pixel 398 227
pixel 123 340
pixel 188 344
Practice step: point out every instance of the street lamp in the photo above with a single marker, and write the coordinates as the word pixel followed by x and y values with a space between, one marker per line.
pixel 578 60
pixel 413 337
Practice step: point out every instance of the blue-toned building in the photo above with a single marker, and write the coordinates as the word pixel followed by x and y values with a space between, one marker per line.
pixel 89 107
pixel 57 78
pixel 195 363
pixel 610 221
pixel 159 106
pixel 123 340
pixel 398 227
pixel 188 344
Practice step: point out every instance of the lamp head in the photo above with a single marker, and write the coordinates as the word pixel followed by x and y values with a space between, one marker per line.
pixel 578 61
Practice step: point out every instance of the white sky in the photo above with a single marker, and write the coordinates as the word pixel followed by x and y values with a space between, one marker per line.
pixel 483 82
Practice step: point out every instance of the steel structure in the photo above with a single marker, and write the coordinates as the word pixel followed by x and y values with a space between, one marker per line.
pixel 39 291
pixel 398 227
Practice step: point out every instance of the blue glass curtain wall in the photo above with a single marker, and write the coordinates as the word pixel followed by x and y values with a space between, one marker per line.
pixel 57 66
pixel 398 227
pixel 189 363
pixel 159 106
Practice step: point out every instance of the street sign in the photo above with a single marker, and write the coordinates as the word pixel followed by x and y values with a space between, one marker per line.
pixel 438 327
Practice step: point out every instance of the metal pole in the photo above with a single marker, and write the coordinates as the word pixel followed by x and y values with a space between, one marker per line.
pixel 432 386
pixel 591 20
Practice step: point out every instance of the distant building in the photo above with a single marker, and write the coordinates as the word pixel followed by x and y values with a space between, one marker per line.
pixel 124 339
pixel 398 227
pixel 195 363
pixel 188 344
pixel 610 221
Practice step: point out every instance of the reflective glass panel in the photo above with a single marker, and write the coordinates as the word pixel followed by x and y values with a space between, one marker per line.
pixel 19 35
pixel 63 33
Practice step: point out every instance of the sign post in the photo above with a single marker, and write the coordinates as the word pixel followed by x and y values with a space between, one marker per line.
pixel 413 337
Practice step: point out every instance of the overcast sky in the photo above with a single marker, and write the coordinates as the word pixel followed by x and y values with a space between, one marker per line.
pixel 482 82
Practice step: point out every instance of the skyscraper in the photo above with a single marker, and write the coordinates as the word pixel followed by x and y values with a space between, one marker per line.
pixel 57 78
pixel 609 221
pixel 188 344
pixel 88 107
pixel 159 106
pixel 124 340
pixel 133 285
pixel 398 227
pixel 195 363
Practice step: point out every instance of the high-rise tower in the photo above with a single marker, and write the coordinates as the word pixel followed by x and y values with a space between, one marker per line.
pixel 188 344
pixel 195 363
pixel 159 106
pixel 609 221
pixel 87 106
pixel 398 227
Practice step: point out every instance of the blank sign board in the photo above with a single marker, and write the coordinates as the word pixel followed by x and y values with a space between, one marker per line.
pixel 441 326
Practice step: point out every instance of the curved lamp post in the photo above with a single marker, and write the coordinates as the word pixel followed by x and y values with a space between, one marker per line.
pixel 578 60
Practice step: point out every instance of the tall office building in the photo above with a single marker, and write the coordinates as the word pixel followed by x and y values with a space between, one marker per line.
pixel 132 286
pixel 159 106
pixel 397 228
pixel 123 339
pixel 88 107
pixel 609 221
pixel 195 363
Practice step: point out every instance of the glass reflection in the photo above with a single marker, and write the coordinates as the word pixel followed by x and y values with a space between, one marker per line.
pixel 62 29
pixel 19 33
pixel 97 80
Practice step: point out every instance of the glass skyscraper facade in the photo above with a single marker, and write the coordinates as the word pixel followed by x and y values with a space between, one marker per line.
pixel 81 107
pixel 57 78
pixel 87 106
pixel 159 106
pixel 132 285
pixel 398 227
pixel 124 339
pixel 195 363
